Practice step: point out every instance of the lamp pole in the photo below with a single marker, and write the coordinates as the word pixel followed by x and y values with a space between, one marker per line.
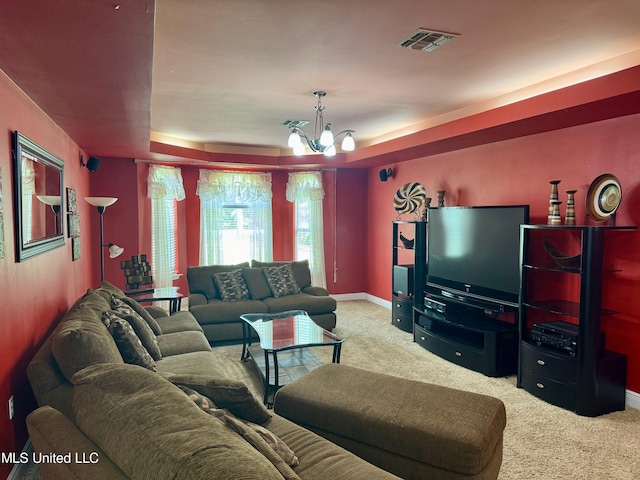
pixel 101 210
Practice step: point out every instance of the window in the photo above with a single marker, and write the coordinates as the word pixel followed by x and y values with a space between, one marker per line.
pixel 165 188
pixel 305 189
pixel 235 217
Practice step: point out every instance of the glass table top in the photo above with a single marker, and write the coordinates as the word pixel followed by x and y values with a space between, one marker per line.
pixel 291 329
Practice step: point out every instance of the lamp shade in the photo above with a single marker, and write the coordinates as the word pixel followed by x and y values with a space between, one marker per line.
pixel 52 200
pixel 101 201
pixel 115 250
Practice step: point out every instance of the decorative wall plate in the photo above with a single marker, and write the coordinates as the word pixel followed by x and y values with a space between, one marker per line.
pixel 603 197
pixel 409 198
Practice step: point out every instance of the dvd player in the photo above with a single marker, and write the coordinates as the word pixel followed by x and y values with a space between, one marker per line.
pixel 560 335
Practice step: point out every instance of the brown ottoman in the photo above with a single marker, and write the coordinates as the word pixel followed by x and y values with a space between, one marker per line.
pixel 412 429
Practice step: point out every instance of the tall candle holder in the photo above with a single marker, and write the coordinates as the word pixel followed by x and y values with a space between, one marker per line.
pixel 553 198
pixel 570 216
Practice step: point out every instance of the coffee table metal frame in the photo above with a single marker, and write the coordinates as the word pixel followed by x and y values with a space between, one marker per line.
pixel 258 322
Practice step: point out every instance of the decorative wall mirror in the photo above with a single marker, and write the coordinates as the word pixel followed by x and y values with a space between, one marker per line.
pixel 38 190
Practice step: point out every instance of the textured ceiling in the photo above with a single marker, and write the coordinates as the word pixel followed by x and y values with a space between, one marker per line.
pixel 224 74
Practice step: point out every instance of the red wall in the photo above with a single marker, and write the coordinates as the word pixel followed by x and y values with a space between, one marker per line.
pixel 34 293
pixel 518 172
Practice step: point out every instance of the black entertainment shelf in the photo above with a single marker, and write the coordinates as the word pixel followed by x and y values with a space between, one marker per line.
pixel 467 336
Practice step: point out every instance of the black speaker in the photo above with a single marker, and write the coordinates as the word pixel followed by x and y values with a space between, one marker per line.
pixel 403 280
pixel 92 164
pixel 385 174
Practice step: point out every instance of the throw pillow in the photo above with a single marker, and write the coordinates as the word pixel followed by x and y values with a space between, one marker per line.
pixel 140 310
pixel 257 283
pixel 300 269
pixel 256 435
pixel 140 326
pixel 128 343
pixel 281 280
pixel 225 393
pixel 231 285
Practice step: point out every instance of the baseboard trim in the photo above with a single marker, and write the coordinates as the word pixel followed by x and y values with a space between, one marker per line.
pixel 632 399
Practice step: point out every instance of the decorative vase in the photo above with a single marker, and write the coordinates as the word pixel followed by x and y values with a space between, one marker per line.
pixel 441 194
pixel 552 198
pixel 554 218
pixel 425 212
pixel 570 217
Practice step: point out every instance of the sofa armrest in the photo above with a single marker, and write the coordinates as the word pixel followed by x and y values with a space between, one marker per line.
pixel 197 299
pixel 316 291
pixel 51 432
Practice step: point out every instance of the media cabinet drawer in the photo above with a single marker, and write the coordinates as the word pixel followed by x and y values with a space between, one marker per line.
pixel 463 355
pixel 425 339
pixel 559 367
pixel 403 322
pixel 557 393
pixel 402 306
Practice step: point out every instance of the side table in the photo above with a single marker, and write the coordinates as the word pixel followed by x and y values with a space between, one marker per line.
pixel 169 294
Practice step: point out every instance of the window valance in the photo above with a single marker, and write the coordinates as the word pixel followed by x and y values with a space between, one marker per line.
pixel 165 182
pixel 304 186
pixel 242 187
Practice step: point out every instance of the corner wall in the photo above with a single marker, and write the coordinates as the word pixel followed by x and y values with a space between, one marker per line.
pixel 518 171
pixel 34 293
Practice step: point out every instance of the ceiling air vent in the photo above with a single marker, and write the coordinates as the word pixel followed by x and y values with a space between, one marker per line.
pixel 295 123
pixel 426 40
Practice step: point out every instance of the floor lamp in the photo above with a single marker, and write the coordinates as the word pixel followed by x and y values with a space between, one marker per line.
pixel 114 250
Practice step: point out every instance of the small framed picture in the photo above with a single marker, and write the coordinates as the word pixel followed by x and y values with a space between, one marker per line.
pixel 71 200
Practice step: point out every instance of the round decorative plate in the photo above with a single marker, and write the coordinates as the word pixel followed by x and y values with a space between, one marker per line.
pixel 603 197
pixel 409 198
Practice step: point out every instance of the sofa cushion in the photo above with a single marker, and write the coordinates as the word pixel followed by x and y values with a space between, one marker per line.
pixel 200 279
pixel 225 393
pixel 140 326
pixel 178 322
pixel 300 268
pixel 309 303
pixel 129 344
pixel 257 283
pixel 262 439
pixel 183 342
pixel 281 280
pixel 217 311
pixel 81 340
pixel 167 435
pixel 231 285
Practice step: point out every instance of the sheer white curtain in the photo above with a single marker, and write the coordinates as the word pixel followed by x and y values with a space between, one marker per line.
pixel 235 217
pixel 307 187
pixel 164 188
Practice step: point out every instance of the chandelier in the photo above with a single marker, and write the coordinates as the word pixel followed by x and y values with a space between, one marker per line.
pixel 324 140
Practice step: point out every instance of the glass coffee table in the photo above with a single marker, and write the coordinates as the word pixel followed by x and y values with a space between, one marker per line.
pixel 289 334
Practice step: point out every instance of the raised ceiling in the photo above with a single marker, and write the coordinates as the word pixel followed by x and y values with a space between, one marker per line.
pixel 222 75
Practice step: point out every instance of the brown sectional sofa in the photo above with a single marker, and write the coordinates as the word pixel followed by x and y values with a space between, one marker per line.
pixel 220 317
pixel 137 423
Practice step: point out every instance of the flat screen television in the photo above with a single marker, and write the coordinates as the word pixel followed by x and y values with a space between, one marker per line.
pixel 474 253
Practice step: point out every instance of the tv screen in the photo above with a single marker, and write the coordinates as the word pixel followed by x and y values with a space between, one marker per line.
pixel 474 252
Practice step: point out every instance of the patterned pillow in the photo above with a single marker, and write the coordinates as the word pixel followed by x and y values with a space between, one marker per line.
pixel 281 280
pixel 129 344
pixel 140 310
pixel 231 285
pixel 140 326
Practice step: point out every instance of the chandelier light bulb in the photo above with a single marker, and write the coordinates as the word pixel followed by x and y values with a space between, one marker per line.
pixel 294 139
pixel 298 149
pixel 348 144
pixel 326 139
pixel 330 152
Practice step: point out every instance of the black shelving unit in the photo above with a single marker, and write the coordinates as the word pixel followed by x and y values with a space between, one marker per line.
pixel 571 370
pixel 408 278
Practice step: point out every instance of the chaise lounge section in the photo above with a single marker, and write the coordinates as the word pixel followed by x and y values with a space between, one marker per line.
pixel 219 294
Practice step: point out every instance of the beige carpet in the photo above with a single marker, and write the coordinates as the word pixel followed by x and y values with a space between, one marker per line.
pixel 541 441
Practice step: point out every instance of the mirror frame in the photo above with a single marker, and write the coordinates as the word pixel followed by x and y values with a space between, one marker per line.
pixel 26 250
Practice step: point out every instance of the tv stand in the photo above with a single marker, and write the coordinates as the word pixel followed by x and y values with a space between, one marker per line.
pixel 467 335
